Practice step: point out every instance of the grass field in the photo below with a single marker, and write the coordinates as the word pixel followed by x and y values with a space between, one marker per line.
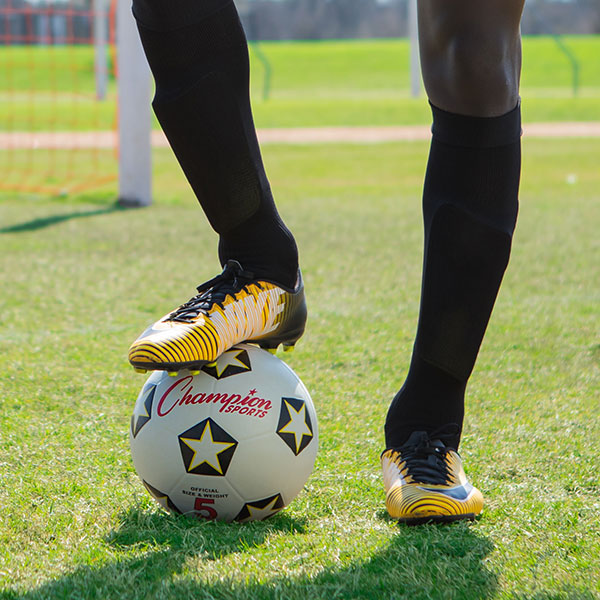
pixel 80 278
pixel 313 84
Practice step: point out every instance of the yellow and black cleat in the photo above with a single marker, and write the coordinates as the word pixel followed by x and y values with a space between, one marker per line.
pixel 232 308
pixel 425 482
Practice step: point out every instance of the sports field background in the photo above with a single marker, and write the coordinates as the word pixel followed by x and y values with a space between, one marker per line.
pixel 312 84
pixel 81 278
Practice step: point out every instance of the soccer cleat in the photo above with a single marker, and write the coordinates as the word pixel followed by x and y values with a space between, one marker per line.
pixel 425 482
pixel 231 308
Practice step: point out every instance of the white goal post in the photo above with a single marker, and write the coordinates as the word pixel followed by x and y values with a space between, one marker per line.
pixel 135 119
pixel 415 67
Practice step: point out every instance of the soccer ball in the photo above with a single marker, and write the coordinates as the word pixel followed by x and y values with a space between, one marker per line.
pixel 236 442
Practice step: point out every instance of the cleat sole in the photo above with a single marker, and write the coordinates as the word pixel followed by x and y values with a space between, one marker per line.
pixel 269 347
pixel 436 519
pixel 195 365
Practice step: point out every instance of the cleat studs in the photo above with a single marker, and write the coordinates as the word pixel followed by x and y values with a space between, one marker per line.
pixel 267 348
pixel 173 373
pixel 195 372
pixel 140 370
pixel 212 364
pixel 288 347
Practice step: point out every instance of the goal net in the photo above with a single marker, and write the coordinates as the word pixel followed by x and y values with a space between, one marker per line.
pixel 58 95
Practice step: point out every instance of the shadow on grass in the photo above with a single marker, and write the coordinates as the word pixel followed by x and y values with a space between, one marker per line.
pixel 42 222
pixel 559 594
pixel 164 556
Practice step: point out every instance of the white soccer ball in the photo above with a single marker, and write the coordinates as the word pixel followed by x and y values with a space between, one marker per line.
pixel 235 443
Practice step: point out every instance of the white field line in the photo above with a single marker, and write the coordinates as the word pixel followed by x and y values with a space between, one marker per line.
pixel 67 140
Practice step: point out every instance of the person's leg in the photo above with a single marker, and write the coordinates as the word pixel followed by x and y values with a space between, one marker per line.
pixel 471 57
pixel 198 54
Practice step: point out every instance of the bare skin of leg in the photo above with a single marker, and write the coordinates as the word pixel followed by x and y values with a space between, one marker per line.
pixel 471 54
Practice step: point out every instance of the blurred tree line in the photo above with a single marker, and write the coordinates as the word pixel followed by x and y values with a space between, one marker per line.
pixel 327 19
pixel 46 21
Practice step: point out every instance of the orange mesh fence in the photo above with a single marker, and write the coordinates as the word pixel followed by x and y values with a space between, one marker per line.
pixel 56 135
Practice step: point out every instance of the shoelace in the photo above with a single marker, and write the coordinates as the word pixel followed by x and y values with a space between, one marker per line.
pixel 425 455
pixel 228 283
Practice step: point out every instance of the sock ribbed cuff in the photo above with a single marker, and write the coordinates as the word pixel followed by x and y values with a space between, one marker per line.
pixel 476 132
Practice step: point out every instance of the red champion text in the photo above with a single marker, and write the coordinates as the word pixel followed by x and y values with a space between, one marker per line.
pixel 181 393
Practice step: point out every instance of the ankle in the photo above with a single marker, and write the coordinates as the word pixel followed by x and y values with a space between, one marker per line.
pixel 429 399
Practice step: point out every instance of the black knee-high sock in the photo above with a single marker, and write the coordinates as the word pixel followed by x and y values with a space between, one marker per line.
pixel 198 54
pixel 470 204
